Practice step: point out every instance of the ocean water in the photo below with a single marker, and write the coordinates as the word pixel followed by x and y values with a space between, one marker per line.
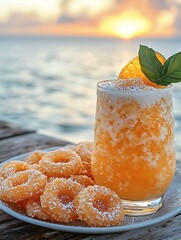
pixel 49 83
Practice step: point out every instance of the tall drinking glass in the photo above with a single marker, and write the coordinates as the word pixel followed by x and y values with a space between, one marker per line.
pixel 134 151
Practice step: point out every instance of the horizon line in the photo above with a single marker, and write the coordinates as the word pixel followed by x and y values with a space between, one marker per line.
pixel 83 36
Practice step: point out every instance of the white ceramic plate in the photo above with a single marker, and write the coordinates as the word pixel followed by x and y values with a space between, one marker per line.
pixel 170 208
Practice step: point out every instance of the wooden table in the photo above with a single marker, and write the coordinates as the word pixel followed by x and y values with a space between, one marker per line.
pixel 14 141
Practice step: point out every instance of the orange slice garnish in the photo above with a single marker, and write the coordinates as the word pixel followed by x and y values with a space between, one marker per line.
pixel 133 70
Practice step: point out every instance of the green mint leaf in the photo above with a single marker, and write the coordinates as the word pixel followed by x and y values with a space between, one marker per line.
pixel 171 70
pixel 150 65
pixel 160 74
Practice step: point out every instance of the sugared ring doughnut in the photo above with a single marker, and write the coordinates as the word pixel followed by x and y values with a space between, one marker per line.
pixel 68 147
pixel 34 157
pixel 12 167
pixel 22 185
pixel 99 206
pixel 84 150
pixel 1 180
pixel 84 180
pixel 60 163
pixel 86 169
pixel 58 199
pixel 36 167
pixel 34 209
pixel 50 179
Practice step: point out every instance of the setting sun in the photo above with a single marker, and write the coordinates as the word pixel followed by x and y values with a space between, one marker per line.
pixel 127 25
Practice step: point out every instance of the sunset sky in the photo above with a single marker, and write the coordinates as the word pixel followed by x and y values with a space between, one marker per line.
pixel 119 18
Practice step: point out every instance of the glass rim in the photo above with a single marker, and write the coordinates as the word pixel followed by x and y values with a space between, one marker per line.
pixel 130 91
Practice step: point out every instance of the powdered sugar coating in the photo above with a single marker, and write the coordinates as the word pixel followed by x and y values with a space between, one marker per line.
pixel 99 206
pixel 84 150
pixel 12 167
pixel 22 185
pixel 84 180
pixel 36 167
pixel 60 163
pixel 34 157
pixel 1 180
pixel 34 209
pixel 58 199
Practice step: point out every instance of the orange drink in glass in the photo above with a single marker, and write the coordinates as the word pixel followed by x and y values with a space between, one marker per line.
pixel 134 151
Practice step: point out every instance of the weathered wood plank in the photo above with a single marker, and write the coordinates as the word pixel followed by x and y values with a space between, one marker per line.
pixel 15 229
pixel 178 165
pixel 8 130
pixel 5 124
pixel 7 133
pixel 25 143
pixel 167 231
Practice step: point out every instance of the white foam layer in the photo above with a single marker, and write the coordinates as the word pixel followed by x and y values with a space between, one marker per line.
pixel 132 84
pixel 133 89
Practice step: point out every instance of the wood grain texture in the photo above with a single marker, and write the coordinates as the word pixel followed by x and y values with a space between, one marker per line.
pixel 25 143
pixel 11 228
pixel 8 130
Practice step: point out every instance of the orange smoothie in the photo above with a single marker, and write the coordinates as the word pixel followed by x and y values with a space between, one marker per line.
pixel 134 151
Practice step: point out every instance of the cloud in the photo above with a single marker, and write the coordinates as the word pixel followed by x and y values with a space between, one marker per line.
pixel 177 23
pixel 86 16
pixel 18 20
pixel 160 5
pixel 78 10
pixel 169 15
pixel 65 18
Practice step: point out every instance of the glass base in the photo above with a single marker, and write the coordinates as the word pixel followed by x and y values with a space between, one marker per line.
pixel 139 208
